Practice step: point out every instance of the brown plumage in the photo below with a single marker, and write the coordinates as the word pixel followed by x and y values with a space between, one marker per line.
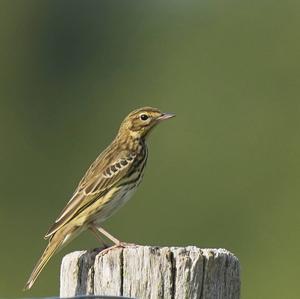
pixel 107 185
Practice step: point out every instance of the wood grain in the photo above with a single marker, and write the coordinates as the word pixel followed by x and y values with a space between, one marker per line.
pixel 152 272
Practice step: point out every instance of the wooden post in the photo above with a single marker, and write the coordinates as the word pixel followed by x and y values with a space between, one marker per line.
pixel 152 272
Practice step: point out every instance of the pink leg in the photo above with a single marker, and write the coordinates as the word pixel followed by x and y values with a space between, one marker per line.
pixel 97 235
pixel 117 243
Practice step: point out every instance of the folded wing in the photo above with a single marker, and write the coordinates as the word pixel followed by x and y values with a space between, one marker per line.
pixel 98 180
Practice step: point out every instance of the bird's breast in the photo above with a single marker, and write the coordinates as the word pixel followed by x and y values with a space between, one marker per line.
pixel 118 195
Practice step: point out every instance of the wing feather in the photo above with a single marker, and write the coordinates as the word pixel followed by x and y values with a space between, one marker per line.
pixel 98 180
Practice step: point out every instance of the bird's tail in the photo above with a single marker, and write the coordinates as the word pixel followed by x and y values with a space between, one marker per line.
pixel 55 243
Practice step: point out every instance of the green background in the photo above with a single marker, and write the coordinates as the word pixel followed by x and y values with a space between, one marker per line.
pixel 224 173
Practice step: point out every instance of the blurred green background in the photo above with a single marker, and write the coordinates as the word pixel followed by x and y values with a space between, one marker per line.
pixel 224 173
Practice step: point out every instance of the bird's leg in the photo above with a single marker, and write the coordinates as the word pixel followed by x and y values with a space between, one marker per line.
pixel 112 238
pixel 108 235
pixel 98 236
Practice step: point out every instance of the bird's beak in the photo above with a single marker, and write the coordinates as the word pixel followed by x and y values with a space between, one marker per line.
pixel 165 116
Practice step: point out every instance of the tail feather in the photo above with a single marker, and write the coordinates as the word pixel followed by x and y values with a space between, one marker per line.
pixel 55 243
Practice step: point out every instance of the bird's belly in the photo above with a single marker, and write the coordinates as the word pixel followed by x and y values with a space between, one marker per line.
pixel 112 202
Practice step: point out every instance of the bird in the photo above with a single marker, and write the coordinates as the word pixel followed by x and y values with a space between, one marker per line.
pixel 106 186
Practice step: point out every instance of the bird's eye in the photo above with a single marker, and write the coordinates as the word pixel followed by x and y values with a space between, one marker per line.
pixel 144 117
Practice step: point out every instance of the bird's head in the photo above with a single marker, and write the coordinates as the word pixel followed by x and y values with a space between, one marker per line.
pixel 140 122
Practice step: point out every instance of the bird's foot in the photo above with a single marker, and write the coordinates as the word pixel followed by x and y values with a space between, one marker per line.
pixel 124 244
pixel 119 245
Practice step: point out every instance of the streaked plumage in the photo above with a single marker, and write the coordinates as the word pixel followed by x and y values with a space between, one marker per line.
pixel 107 185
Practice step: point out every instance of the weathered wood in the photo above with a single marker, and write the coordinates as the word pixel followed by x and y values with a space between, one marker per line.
pixel 152 272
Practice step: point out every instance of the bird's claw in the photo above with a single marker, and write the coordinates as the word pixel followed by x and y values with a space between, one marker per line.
pixel 119 245
pixel 124 244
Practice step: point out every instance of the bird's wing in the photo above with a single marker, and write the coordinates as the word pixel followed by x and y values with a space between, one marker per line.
pixel 100 177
